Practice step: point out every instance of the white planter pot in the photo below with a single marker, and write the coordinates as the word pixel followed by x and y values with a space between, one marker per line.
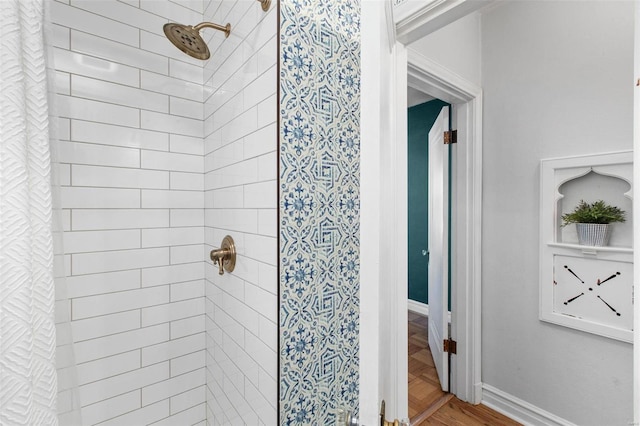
pixel 593 234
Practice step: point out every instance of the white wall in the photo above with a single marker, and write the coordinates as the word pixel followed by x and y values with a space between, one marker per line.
pixel 131 150
pixel 241 200
pixel 558 81
pixel 455 47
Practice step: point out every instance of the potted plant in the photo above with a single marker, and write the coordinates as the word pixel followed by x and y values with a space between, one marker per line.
pixel 593 221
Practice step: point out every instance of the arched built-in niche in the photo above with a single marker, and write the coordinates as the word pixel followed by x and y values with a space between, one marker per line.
pixel 583 287
pixel 590 187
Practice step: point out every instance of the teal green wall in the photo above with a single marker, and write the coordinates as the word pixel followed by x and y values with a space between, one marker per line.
pixel 420 119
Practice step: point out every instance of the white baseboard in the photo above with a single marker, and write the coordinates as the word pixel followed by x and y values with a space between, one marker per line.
pixel 420 308
pixel 519 410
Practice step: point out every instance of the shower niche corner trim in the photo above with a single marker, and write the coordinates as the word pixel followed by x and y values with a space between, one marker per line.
pixel 582 287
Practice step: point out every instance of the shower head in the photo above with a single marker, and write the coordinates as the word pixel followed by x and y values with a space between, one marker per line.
pixel 188 39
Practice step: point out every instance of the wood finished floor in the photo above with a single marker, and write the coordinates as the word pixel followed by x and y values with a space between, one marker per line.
pixel 424 386
pixel 425 391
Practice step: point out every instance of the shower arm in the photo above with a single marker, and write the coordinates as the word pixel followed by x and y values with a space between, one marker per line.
pixel 226 29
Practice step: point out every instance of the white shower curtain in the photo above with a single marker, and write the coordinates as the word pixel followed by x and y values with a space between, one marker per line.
pixel 27 324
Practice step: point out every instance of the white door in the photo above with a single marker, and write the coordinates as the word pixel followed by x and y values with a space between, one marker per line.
pixel 438 244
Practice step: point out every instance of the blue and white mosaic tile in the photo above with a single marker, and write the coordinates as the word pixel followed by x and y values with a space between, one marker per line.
pixel 319 209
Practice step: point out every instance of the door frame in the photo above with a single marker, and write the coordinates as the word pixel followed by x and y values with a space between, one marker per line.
pixel 384 232
pixel 466 239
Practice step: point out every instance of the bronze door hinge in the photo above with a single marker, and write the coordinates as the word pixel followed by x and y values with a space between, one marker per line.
pixel 450 346
pixel 450 136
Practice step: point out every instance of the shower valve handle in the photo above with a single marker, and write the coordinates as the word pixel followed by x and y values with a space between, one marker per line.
pixel 225 256
pixel 218 257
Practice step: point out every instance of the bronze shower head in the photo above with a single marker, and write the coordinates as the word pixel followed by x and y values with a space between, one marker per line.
pixel 188 39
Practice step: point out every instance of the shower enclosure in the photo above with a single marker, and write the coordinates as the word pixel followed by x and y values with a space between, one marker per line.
pixel 160 156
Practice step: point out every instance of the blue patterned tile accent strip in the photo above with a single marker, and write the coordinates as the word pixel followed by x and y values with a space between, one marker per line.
pixel 319 209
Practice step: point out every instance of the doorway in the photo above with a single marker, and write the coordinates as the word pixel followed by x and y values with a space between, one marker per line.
pixel 384 253
pixel 422 113
pixel 466 99
pixel 428 202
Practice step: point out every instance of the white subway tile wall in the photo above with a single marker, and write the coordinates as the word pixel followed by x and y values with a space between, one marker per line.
pixel 141 157
pixel 240 198
pixel 132 169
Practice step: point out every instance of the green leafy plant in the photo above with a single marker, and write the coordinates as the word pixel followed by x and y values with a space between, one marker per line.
pixel 597 212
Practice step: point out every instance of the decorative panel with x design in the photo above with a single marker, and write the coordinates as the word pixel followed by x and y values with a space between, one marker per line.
pixel 596 290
